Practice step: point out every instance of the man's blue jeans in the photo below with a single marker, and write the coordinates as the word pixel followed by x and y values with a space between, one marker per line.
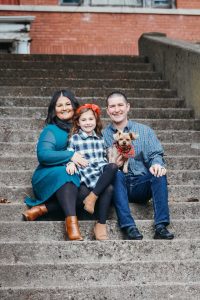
pixel 140 189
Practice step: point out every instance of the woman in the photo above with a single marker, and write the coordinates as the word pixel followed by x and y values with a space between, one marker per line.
pixel 50 180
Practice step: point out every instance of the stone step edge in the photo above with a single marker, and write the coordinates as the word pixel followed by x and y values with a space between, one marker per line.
pixel 34 156
pixel 176 261
pixel 132 284
pixel 89 97
pixel 169 170
pixel 130 203
pixel 28 186
pixel 90 222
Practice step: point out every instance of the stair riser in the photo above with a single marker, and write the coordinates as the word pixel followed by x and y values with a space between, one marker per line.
pixel 54 231
pixel 161 113
pixel 50 275
pixel 144 292
pixel 152 84
pixel 87 92
pixel 51 66
pixel 38 102
pixel 72 58
pixel 11 136
pixel 21 178
pixel 91 252
pixel 162 124
pixel 42 73
pixel 13 212
pixel 176 193
pixel 30 163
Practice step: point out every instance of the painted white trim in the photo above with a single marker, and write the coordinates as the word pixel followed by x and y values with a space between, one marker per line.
pixel 90 9
pixel 16 19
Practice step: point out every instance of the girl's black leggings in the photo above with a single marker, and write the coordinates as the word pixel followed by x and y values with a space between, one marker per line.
pixel 69 197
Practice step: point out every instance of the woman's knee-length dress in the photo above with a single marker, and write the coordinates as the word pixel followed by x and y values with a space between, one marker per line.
pixel 51 173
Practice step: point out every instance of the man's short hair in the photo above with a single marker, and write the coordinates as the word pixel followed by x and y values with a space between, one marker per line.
pixel 118 94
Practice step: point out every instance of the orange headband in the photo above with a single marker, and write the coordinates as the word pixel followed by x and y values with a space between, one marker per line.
pixel 93 107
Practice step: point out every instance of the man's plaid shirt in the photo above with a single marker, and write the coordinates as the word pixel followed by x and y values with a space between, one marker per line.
pixel 93 149
pixel 148 150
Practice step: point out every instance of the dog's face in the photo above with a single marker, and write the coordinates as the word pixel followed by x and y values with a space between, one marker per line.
pixel 124 139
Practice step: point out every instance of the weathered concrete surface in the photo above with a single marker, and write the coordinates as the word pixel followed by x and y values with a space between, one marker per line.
pixel 36 261
pixel 178 211
pixel 93 251
pixel 178 61
pixel 55 230
pixel 130 291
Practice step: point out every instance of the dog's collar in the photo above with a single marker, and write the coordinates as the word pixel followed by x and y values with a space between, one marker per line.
pixel 126 152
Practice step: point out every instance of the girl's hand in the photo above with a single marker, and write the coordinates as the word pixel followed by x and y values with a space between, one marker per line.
pixel 79 160
pixel 71 168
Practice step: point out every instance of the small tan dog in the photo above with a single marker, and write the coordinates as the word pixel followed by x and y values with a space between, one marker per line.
pixel 122 146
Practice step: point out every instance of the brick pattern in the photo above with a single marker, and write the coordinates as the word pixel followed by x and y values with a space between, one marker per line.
pixel 92 33
pixel 192 4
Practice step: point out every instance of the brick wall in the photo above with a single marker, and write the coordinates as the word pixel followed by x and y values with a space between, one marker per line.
pixel 193 4
pixel 95 33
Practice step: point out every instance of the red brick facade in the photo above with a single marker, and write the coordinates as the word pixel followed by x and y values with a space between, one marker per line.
pixel 102 33
pixel 191 4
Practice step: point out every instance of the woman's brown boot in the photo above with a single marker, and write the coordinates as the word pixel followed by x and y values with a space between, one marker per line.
pixel 72 228
pixel 89 202
pixel 100 232
pixel 35 212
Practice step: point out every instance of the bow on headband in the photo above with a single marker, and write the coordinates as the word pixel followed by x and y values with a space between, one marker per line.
pixel 93 107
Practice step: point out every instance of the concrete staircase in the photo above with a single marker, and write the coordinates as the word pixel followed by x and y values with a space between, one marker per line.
pixel 35 260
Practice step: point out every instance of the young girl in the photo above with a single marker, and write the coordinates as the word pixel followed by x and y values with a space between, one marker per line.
pixel 96 178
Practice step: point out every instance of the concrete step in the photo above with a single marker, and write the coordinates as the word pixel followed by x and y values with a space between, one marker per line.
pixel 18 91
pixel 27 162
pixel 165 291
pixel 11 136
pixel 180 211
pixel 27 148
pixel 149 113
pixel 84 83
pixel 156 124
pixel 91 251
pixel 76 65
pixel 48 275
pixel 55 230
pixel 23 177
pixel 17 192
pixel 92 74
pixel 73 58
pixel 135 102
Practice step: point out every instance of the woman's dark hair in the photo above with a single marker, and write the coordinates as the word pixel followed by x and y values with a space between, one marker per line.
pixel 51 109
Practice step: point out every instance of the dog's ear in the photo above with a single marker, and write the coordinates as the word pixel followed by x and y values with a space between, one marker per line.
pixel 133 135
pixel 117 135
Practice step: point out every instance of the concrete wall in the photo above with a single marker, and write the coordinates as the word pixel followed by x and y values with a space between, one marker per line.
pixel 178 61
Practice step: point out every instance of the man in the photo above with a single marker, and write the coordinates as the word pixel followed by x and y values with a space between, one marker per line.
pixel 146 177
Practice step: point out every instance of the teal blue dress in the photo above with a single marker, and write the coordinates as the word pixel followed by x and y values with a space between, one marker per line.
pixel 51 173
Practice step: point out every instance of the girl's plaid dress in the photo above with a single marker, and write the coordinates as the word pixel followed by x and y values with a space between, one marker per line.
pixel 93 149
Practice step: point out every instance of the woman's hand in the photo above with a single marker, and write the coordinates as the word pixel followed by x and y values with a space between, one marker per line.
pixel 79 160
pixel 71 168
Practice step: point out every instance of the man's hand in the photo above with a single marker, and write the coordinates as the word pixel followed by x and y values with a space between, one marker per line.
pixel 119 161
pixel 157 170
